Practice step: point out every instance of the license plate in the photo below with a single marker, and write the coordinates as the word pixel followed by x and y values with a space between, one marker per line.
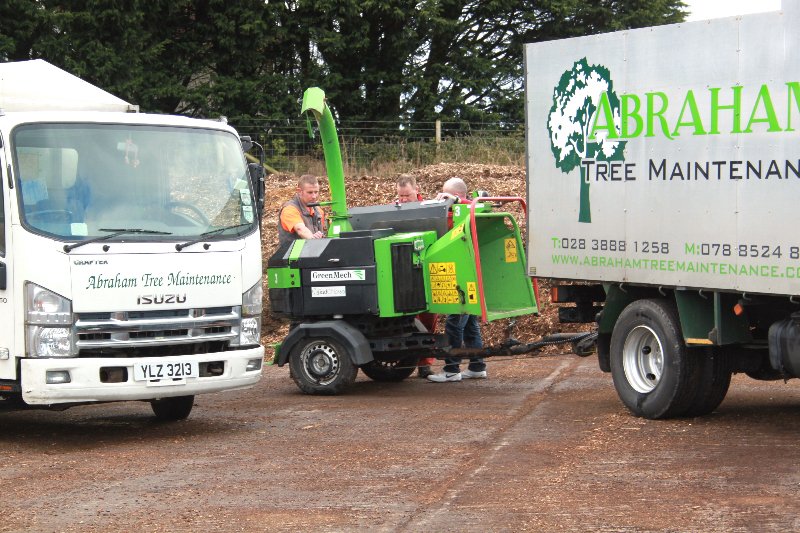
pixel 171 371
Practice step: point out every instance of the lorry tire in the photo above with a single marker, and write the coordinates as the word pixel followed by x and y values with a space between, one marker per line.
pixel 389 371
pixel 319 365
pixel 715 378
pixel 172 408
pixel 655 374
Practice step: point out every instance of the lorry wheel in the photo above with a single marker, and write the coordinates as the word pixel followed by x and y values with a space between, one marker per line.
pixel 715 378
pixel 321 366
pixel 389 371
pixel 655 374
pixel 173 408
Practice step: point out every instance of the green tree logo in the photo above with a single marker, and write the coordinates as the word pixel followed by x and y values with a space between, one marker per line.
pixel 570 121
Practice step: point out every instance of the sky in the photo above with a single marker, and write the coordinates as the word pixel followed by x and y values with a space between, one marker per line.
pixel 707 9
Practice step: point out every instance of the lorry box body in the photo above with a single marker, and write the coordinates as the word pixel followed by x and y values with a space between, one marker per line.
pixel 698 184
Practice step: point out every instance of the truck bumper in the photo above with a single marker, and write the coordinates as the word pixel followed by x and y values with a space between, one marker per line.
pixel 88 384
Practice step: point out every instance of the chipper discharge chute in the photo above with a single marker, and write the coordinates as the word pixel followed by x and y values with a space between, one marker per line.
pixel 353 296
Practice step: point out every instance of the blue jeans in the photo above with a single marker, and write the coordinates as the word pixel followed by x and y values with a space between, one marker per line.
pixel 463 330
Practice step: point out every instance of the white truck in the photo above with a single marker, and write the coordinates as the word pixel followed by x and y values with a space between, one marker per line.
pixel 664 178
pixel 130 254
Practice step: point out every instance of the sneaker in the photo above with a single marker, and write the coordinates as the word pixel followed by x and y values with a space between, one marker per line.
pixel 471 374
pixel 443 377
pixel 424 371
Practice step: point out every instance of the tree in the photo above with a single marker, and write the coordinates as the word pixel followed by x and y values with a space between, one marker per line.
pixel 363 48
pixel 376 59
pixel 21 22
pixel 575 102
pixel 473 67
pixel 192 57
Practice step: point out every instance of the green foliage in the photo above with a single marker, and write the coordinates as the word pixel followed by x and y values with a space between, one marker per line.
pixel 376 59
pixel 21 22
pixel 277 153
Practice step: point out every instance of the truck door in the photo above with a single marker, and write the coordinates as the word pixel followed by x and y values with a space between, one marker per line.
pixel 7 370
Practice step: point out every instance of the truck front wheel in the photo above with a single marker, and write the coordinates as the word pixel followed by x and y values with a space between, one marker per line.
pixel 172 408
pixel 321 366
pixel 656 376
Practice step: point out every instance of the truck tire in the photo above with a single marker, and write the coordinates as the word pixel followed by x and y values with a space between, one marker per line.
pixel 715 378
pixel 655 374
pixel 389 371
pixel 319 365
pixel 172 408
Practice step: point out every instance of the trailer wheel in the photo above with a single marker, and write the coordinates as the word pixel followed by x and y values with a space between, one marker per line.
pixel 715 378
pixel 172 408
pixel 321 366
pixel 655 374
pixel 389 371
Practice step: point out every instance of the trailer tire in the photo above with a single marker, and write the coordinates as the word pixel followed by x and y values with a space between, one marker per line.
pixel 656 376
pixel 389 371
pixel 172 408
pixel 715 378
pixel 320 365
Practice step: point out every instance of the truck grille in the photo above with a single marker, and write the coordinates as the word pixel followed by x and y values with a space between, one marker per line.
pixel 132 332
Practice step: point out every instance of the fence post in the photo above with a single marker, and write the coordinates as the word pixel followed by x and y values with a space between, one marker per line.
pixel 438 137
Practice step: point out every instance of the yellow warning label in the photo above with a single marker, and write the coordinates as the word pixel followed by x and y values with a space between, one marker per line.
pixel 443 283
pixel 511 250
pixel 444 297
pixel 448 268
pixel 472 292
pixel 458 230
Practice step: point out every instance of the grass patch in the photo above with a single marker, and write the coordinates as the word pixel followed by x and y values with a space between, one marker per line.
pixel 391 156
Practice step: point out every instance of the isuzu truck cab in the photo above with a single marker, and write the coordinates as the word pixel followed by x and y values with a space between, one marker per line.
pixel 130 254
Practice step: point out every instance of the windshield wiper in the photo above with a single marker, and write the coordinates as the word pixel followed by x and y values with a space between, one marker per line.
pixel 116 232
pixel 203 236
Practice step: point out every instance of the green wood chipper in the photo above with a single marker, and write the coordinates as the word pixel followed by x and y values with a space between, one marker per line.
pixel 353 297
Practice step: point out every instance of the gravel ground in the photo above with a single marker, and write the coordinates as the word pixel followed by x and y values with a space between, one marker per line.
pixel 542 445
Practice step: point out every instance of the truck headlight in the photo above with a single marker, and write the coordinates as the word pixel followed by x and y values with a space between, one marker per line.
pixel 250 330
pixel 48 323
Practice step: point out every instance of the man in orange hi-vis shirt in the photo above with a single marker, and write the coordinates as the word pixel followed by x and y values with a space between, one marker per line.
pixel 296 219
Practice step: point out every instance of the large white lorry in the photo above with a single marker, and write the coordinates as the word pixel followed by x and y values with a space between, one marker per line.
pixel 130 254
pixel 664 173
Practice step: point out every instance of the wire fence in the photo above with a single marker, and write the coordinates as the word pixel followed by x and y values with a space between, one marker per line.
pixel 368 147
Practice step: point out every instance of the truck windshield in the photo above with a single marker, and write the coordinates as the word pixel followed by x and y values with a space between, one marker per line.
pixel 172 183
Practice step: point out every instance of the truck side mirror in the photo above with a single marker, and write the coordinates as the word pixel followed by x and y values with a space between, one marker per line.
pixel 247 143
pixel 256 172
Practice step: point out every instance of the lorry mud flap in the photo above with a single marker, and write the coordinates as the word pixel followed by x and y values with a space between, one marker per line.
pixel 347 335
